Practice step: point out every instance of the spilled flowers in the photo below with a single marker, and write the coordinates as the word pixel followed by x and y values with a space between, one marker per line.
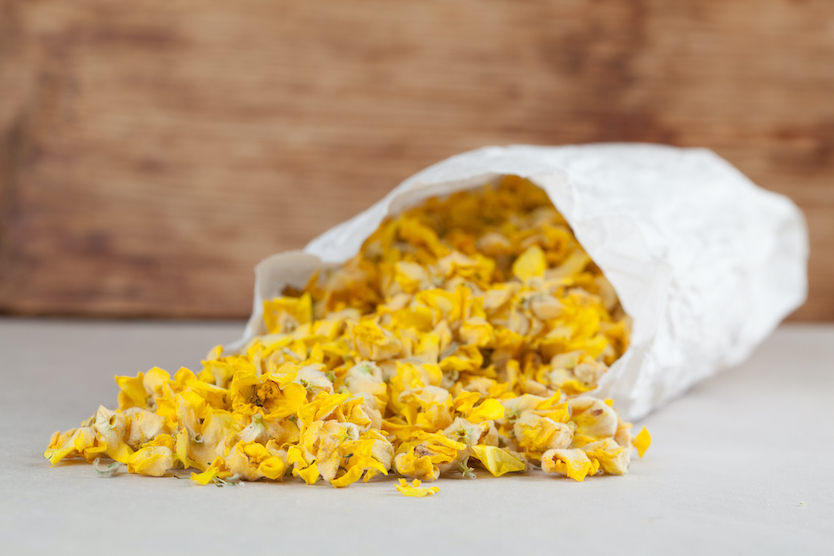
pixel 465 334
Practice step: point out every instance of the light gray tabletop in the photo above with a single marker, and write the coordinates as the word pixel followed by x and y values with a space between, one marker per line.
pixel 742 464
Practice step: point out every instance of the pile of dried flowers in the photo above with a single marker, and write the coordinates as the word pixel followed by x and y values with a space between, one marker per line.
pixel 466 330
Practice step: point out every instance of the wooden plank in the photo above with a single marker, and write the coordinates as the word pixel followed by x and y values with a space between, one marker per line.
pixel 153 152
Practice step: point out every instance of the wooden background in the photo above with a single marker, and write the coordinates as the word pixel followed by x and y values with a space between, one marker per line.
pixel 151 152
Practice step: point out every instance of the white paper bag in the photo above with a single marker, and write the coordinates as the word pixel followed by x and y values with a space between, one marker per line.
pixel 705 262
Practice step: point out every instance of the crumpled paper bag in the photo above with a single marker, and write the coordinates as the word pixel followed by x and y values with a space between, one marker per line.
pixel 705 262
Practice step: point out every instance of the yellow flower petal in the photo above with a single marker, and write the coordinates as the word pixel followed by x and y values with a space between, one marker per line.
pixel 310 474
pixel 321 407
pixel 574 463
pixel 464 359
pixel 373 341
pixel 285 314
pixel 132 391
pixel 530 264
pixel 410 464
pixel 81 441
pixel 411 276
pixel 154 461
pixel 477 331
pixel 465 401
pixel 613 458
pixel 415 490
pixel 498 461
pixel 154 380
pixel 162 440
pixel 419 318
pixel 488 410
pixel 111 428
pixel 273 468
pixel 206 476
pixel 351 476
pixel 535 433
pixel 642 441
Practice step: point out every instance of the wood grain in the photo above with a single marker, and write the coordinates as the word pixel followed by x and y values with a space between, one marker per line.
pixel 152 152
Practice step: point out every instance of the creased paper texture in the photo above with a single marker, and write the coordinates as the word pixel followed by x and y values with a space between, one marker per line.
pixel 705 262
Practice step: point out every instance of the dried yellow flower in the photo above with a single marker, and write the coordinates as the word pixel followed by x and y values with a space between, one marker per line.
pixel 415 490
pixel 642 441
pixel 498 461
pixel 152 460
pixel 574 463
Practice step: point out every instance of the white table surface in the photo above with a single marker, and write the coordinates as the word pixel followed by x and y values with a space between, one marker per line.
pixel 742 464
